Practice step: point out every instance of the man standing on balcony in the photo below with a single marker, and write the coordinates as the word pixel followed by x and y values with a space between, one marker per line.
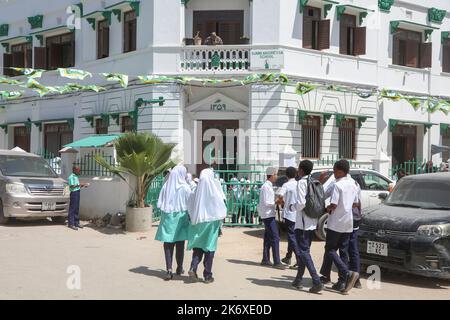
pixel 74 207
pixel 213 40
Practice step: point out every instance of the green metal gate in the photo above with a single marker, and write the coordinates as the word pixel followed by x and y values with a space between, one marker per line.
pixel 153 195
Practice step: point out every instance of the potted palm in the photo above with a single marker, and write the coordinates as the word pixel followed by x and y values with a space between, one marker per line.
pixel 141 156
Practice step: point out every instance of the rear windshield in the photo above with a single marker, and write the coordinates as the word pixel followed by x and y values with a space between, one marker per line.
pixel 23 166
pixel 427 194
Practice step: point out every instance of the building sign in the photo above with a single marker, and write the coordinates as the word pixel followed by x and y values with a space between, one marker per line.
pixel 266 59
pixel 218 105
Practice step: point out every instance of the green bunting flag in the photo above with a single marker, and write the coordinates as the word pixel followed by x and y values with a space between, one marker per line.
pixel 30 73
pixel 304 88
pixel 414 102
pixel 9 95
pixel 94 88
pixel 158 79
pixel 121 78
pixel 36 86
pixel 9 81
pixel 433 105
pixel 74 74
pixel 390 94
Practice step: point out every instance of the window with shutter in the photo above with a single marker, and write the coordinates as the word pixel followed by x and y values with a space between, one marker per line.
pixel 360 41
pixel 40 58
pixel 22 138
pixel 56 135
pixel 426 54
pixel 102 39
pixel 446 56
pixel 61 51
pixel 21 56
pixel 127 124
pixel 311 137
pixel 346 38
pixel 324 35
pixel 347 139
pixel 7 63
pixel 129 31
pixel 311 19
pixel 100 127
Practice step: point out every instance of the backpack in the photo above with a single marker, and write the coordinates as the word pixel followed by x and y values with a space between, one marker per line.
pixel 315 199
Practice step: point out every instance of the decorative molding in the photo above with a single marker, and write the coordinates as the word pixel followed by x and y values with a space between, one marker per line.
pixel 36 21
pixel 427 33
pixel 393 26
pixel 436 15
pixel 340 11
pixel 4 30
pixel 107 15
pixel 362 16
pixel 92 22
pixel 326 9
pixel 118 14
pixel 40 38
pixel 5 45
pixel 444 35
pixel 385 5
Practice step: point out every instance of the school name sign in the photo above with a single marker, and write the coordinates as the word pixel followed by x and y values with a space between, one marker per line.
pixel 266 59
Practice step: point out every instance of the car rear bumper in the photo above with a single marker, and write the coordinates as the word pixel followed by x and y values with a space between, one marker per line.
pixel 31 206
pixel 429 257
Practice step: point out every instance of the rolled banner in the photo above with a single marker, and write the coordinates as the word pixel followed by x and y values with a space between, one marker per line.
pixel 9 81
pixel 121 78
pixel 9 95
pixel 74 74
pixel 414 102
pixel 304 88
pixel 94 88
pixel 391 94
pixel 156 79
pixel 29 72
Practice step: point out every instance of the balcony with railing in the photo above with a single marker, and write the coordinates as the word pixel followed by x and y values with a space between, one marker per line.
pixel 224 58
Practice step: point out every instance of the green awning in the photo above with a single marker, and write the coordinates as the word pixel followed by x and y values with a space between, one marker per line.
pixel 96 141
pixel 394 122
pixel 302 114
pixel 413 26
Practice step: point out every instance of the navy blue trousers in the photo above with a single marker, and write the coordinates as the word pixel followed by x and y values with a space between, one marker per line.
pixel 336 241
pixel 169 248
pixel 271 241
pixel 353 253
pixel 197 257
pixel 74 208
pixel 304 239
pixel 292 240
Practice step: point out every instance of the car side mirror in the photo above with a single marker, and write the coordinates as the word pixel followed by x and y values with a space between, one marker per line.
pixel 383 196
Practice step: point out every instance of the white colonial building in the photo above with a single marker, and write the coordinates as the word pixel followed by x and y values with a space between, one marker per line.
pixel 366 45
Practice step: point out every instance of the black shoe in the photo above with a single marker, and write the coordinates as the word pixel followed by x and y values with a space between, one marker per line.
pixel 266 263
pixel 325 280
pixel 80 226
pixel 358 284
pixel 180 271
pixel 193 275
pixel 73 228
pixel 351 279
pixel 169 276
pixel 316 288
pixel 294 267
pixel 339 286
pixel 209 280
pixel 279 266
pixel 297 284
pixel 286 261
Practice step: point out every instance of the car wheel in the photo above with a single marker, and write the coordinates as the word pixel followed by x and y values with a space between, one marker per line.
pixel 3 219
pixel 321 232
pixel 59 220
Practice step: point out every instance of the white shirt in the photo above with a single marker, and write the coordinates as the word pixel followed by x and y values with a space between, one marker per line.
pixel 289 193
pixel 344 194
pixel 303 222
pixel 266 205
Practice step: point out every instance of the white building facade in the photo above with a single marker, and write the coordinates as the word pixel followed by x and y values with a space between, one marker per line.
pixel 365 45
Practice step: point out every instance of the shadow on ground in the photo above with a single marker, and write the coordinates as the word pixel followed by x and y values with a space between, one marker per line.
pixel 161 274
pixel 31 223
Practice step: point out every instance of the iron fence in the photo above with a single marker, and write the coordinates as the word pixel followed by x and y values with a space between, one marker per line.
pixel 153 195
pixel 54 161
pixel 90 168
pixel 414 167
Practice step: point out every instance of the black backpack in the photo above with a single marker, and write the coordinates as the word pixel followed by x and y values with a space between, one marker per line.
pixel 315 199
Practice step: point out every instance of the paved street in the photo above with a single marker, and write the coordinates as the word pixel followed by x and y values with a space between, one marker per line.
pixel 35 256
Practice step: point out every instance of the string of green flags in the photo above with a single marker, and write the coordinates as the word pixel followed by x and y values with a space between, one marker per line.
pixel 430 103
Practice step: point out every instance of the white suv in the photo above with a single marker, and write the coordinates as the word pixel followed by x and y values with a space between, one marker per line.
pixel 372 184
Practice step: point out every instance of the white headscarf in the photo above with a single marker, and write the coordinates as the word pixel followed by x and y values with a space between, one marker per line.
pixel 175 192
pixel 207 203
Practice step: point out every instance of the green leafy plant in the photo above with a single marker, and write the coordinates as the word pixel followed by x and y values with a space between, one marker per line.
pixel 142 155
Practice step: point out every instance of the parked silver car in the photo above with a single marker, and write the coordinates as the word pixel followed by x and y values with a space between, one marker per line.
pixel 29 188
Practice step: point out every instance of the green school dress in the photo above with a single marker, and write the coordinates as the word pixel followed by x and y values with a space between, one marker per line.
pixel 173 227
pixel 204 235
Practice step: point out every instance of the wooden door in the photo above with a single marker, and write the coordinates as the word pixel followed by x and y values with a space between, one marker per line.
pixel 22 138
pixel 227 24
pixel 223 149
pixel 404 144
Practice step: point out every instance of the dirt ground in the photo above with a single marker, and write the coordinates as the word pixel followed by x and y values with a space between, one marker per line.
pixel 35 257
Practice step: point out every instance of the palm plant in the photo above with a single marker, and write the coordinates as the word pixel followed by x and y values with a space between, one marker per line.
pixel 143 156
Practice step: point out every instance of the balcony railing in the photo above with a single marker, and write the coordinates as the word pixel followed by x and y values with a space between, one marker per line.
pixel 227 58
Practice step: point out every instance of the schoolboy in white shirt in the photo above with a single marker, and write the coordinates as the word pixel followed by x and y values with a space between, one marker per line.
pixel 340 226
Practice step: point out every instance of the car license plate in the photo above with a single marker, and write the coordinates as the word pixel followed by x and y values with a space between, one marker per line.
pixel 48 206
pixel 379 248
